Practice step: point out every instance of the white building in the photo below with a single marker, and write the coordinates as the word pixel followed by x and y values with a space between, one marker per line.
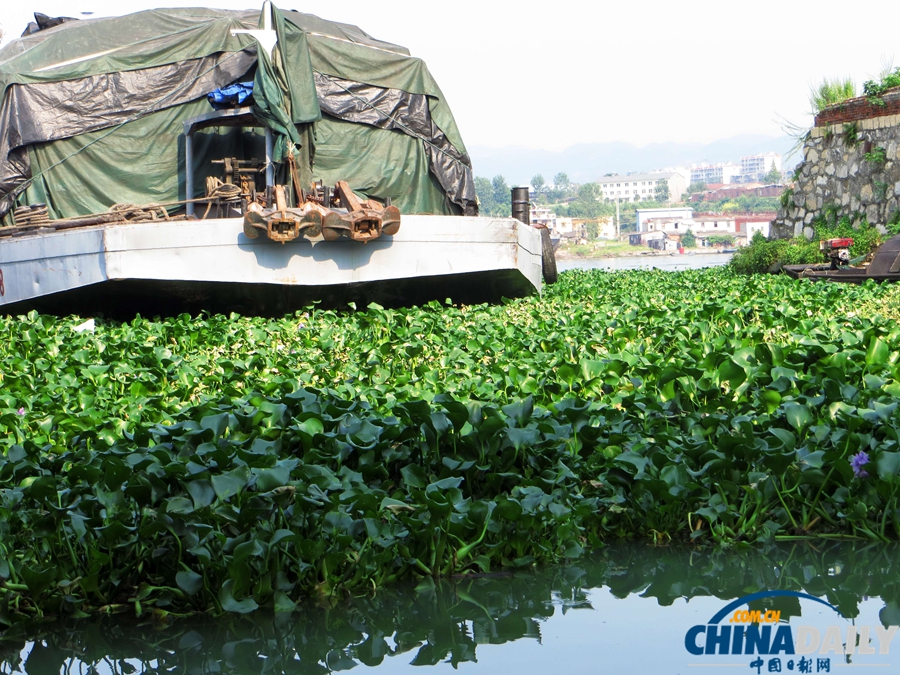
pixel 557 225
pixel 607 228
pixel 641 187
pixel 675 225
pixel 675 213
pixel 755 167
pixel 542 216
pixel 751 227
pixel 715 173
pixel 709 224
pixel 713 224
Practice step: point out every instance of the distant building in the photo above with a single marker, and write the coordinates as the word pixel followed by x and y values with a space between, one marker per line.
pixel 677 212
pixel 557 225
pixel 712 223
pixel 755 167
pixel 659 241
pixel 668 231
pixel 750 223
pixel 715 173
pixel 668 225
pixel 717 192
pixel 542 216
pixel 606 228
pixel 641 187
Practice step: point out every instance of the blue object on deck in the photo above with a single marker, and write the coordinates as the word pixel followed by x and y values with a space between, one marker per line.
pixel 231 96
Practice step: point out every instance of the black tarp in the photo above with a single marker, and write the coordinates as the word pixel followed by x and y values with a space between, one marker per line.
pixel 408 113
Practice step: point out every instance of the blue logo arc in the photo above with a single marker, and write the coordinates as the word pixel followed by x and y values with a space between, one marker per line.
pixel 731 606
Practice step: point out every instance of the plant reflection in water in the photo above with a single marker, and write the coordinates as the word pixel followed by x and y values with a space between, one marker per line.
pixel 445 621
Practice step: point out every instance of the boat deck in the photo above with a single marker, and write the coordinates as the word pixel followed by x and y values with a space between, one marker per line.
pixel 159 267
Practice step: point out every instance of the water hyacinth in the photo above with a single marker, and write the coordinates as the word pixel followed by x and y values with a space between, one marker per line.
pixel 230 462
pixel 857 462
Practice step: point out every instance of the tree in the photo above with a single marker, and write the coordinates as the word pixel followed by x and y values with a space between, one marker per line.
pixel 537 182
pixel 688 240
pixel 774 175
pixel 502 197
pixel 662 191
pixel 485 192
pixel 699 186
pixel 562 187
pixel 589 192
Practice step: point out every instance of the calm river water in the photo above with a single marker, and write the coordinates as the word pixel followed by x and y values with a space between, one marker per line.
pixel 672 263
pixel 627 609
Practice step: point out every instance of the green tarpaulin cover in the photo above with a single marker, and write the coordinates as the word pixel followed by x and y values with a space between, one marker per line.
pixel 92 111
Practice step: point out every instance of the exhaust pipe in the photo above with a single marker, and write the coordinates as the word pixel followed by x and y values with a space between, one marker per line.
pixel 521 207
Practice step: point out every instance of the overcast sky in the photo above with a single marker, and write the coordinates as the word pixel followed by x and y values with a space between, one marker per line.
pixel 552 74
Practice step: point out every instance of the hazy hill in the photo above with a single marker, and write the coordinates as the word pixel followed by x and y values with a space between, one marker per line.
pixel 588 161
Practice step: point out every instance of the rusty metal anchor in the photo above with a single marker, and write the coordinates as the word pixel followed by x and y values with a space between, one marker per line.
pixel 363 220
pixel 282 223
pixel 358 220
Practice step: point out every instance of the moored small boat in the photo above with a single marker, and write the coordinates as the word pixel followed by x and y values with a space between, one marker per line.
pixel 885 266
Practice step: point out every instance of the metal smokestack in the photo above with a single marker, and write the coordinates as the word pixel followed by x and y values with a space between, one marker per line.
pixel 521 207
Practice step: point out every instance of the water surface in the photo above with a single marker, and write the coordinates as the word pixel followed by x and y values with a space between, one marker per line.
pixel 672 263
pixel 626 609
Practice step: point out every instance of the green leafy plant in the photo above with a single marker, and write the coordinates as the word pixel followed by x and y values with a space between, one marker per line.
pixel 851 133
pixel 893 224
pixel 720 240
pixel 762 255
pixel 831 92
pixel 877 155
pixel 786 197
pixel 874 90
pixel 221 463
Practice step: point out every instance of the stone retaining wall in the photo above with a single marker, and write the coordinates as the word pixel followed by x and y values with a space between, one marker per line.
pixel 858 109
pixel 841 172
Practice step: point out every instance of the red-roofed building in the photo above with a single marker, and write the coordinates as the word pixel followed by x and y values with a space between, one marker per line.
pixel 716 193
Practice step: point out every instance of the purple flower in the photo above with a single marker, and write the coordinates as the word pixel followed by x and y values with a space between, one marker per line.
pixel 858 461
pixel 21 412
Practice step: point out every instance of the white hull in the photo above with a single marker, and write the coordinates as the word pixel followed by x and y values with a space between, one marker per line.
pixel 206 253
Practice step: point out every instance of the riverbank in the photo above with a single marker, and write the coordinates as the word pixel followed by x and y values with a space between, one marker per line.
pixel 617 249
pixel 672 262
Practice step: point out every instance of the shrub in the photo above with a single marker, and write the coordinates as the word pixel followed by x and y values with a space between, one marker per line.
pixel 721 240
pixel 873 90
pixel 761 255
pixel 831 92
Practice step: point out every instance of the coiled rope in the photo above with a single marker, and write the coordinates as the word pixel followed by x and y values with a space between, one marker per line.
pixel 33 214
pixel 216 190
pixel 135 213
